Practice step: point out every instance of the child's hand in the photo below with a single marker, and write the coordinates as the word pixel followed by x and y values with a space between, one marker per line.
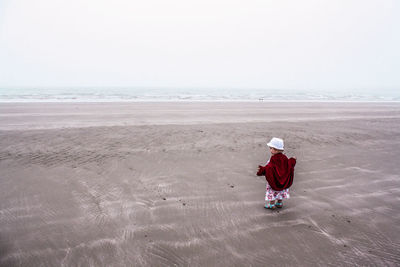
pixel 261 170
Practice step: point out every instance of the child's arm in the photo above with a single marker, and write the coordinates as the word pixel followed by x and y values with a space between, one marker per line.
pixel 261 170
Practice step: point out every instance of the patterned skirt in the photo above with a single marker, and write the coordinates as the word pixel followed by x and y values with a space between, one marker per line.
pixel 271 194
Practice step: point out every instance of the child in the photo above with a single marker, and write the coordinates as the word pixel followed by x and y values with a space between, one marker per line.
pixel 279 174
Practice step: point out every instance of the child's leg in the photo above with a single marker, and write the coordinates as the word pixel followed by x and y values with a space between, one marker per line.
pixel 282 195
pixel 269 198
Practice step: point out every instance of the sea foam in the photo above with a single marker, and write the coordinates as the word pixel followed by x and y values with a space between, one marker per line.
pixel 127 94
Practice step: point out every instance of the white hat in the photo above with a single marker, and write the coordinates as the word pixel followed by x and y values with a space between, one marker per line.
pixel 276 143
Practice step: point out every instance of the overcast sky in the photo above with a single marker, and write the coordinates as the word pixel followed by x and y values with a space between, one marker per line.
pixel 308 44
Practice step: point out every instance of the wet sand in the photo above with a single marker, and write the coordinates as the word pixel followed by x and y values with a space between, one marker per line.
pixel 161 184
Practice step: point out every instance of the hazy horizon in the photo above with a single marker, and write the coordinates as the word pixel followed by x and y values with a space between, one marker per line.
pixel 309 45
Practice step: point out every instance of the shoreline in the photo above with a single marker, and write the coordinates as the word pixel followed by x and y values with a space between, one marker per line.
pixel 25 116
pixel 202 101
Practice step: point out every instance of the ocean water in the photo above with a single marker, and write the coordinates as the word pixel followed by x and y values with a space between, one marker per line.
pixel 126 94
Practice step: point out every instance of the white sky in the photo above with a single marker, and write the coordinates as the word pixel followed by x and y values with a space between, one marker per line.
pixel 308 44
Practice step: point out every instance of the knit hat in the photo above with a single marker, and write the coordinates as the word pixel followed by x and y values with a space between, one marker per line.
pixel 276 143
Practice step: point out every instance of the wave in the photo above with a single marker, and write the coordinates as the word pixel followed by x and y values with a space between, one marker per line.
pixel 174 94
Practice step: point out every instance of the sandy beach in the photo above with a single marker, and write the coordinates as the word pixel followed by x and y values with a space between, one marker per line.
pixel 174 184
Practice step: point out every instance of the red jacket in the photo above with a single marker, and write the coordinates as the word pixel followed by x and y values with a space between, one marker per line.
pixel 279 171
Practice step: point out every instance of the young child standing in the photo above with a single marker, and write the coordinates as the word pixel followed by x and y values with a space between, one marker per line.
pixel 279 173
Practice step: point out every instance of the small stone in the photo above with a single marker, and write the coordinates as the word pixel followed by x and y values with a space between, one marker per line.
pixel 184 204
pixel 164 198
pixel 348 221
pixel 232 186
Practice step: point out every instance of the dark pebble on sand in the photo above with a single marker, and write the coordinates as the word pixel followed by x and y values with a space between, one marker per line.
pixel 348 221
pixel 164 198
pixel 232 186
pixel 184 204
